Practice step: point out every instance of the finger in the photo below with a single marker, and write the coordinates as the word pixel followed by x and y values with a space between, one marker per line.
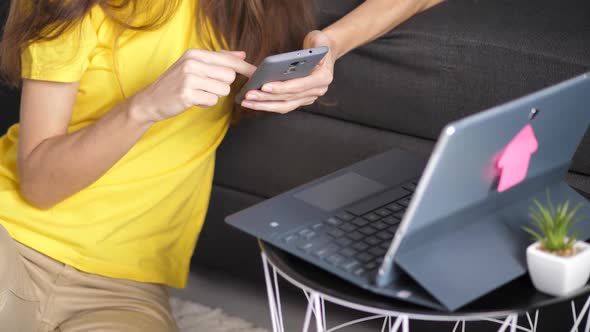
pixel 222 59
pixel 210 85
pixel 202 98
pixel 311 39
pixel 320 77
pixel 317 38
pixel 220 73
pixel 239 54
pixel 257 95
pixel 278 106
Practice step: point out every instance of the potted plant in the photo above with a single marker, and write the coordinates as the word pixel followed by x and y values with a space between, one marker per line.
pixel 558 263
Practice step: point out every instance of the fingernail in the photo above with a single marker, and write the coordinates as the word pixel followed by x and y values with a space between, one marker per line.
pixel 266 88
pixel 251 96
pixel 247 104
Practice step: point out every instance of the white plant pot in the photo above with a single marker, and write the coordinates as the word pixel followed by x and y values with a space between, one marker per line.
pixel 556 275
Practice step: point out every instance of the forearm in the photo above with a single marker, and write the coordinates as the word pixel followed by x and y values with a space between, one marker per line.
pixel 371 20
pixel 62 165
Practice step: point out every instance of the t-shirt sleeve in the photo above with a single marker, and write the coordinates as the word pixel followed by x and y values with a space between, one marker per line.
pixel 63 59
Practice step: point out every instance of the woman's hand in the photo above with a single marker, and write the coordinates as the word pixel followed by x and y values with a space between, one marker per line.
pixel 284 97
pixel 198 78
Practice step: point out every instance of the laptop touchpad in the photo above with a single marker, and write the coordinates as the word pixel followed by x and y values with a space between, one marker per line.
pixel 339 191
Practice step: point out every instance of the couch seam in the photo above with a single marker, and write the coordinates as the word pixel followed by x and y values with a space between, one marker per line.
pixel 311 112
pixel 488 44
pixel 239 190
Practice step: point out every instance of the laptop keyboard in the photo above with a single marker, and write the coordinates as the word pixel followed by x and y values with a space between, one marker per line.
pixel 356 240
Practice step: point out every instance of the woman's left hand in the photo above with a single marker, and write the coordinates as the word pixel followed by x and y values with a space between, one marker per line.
pixel 284 97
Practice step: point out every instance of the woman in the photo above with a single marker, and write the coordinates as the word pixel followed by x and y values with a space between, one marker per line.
pixel 105 182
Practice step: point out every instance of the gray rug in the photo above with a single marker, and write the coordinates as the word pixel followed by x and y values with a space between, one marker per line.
pixel 193 317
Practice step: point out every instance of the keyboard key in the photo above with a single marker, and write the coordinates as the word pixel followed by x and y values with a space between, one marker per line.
pixel 377 251
pixel 371 217
pixel 350 264
pixel 391 220
pixel 321 240
pixel 355 236
pixel 367 230
pixel 364 257
pixel 399 215
pixel 290 238
pixel 305 246
pixel 336 233
pixel 304 231
pixel 393 229
pixel 383 212
pixel 334 259
pixel 372 240
pixel 360 272
pixel 380 225
pixel 384 235
pixel 324 251
pixel 317 227
pixel 348 252
pixel 345 216
pixel 410 186
pixel 394 207
pixel 344 241
pixel 360 246
pixel 332 221
pixel 307 233
pixel 360 222
pixel 372 265
pixel 348 227
pixel 405 202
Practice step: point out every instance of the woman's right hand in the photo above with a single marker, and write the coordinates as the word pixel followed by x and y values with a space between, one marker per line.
pixel 198 78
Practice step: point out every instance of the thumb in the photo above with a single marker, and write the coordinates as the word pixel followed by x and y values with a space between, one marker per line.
pixel 316 38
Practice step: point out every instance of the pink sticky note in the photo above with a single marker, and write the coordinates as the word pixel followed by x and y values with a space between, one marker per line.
pixel 514 160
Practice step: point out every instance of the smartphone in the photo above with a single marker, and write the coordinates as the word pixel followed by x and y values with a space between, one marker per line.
pixel 283 67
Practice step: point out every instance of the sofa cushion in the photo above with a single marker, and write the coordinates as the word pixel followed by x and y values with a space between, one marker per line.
pixel 273 153
pixel 457 58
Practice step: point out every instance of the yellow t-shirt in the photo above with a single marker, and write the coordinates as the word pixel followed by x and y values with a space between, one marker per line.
pixel 141 219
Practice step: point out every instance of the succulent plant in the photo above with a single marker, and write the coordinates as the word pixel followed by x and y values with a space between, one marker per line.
pixel 553 226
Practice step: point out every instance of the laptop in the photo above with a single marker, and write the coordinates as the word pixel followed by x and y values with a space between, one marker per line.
pixel 445 231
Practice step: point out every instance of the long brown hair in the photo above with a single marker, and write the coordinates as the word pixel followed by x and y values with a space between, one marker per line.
pixel 258 27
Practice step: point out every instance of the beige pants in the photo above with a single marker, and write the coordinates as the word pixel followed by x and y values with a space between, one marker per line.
pixel 39 294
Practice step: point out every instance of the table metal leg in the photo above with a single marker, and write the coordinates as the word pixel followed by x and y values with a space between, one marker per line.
pixel 307 314
pixel 316 307
pixel 579 317
pixel 272 291
pixel 459 323
pixel 510 321
pixel 386 324
pixel 318 312
pixel 533 324
pixel 324 312
pixel 401 324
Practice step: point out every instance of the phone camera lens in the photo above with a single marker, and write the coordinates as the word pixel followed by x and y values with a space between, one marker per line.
pixel 309 51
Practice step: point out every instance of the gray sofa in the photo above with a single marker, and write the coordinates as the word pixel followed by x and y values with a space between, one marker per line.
pixel 455 59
